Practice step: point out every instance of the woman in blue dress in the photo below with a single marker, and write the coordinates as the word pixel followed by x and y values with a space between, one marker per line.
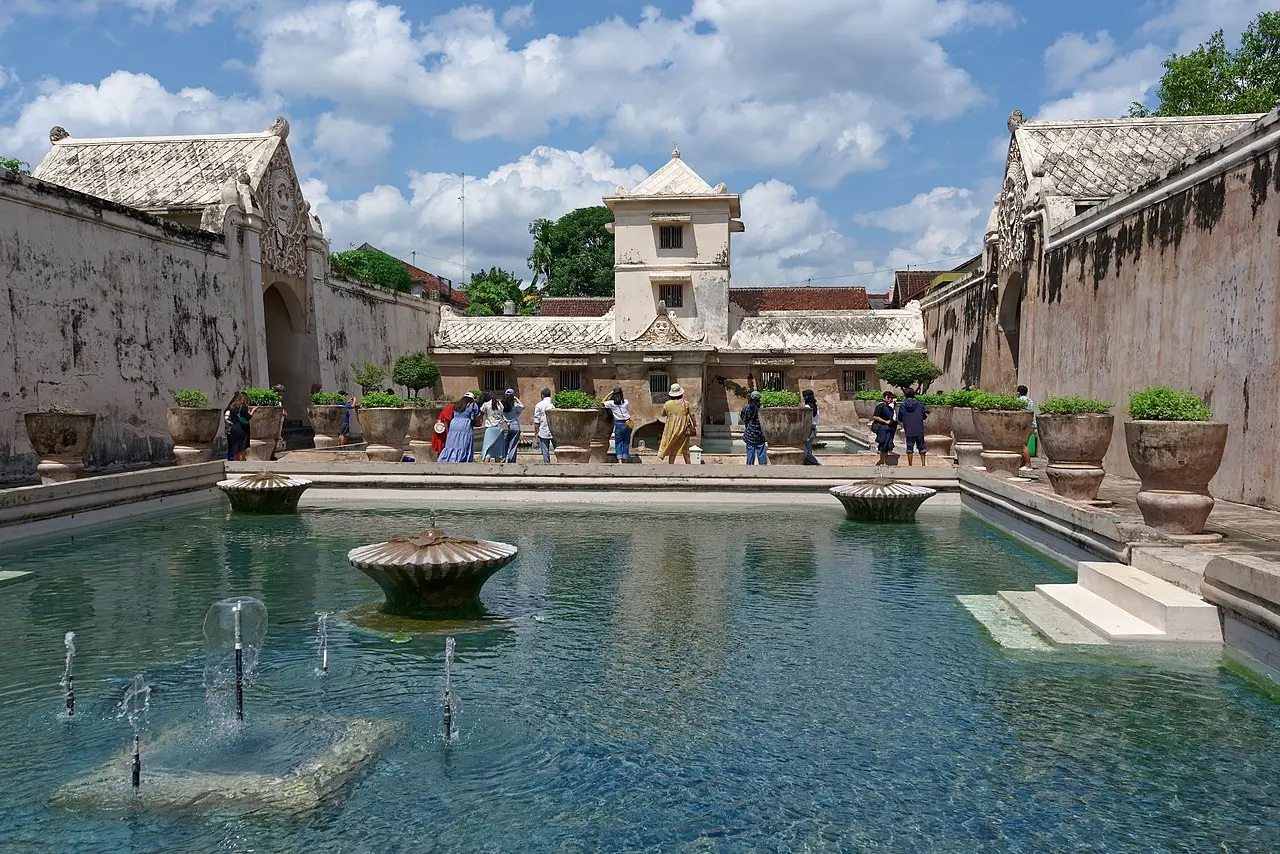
pixel 460 446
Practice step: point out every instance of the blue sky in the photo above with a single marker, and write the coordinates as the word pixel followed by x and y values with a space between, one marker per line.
pixel 863 134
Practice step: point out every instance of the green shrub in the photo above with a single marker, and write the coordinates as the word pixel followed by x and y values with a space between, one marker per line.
pixel 327 398
pixel 770 399
pixel 263 397
pixel 381 400
pixel 1167 404
pixel 373 268
pixel 964 397
pixel 424 402
pixel 368 376
pixel 575 400
pixel 907 369
pixel 415 372
pixel 868 394
pixel 934 399
pixel 1074 406
pixel 189 397
pixel 989 402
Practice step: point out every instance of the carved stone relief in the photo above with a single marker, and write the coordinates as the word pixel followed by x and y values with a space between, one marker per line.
pixel 1011 231
pixel 284 239
pixel 663 331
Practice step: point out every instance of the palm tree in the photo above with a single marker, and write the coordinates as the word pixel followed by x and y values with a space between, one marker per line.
pixel 540 259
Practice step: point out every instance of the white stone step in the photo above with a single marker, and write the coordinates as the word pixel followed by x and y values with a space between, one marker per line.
pixel 1050 620
pixel 1003 623
pixel 1110 621
pixel 1181 615
pixel 10 576
pixel 1181 567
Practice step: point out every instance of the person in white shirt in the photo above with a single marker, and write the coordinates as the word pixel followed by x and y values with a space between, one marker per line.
pixel 513 425
pixel 541 426
pixel 620 407
pixel 495 429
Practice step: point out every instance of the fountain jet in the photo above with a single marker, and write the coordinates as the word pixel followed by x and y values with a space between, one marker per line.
pixel 448 689
pixel 134 706
pixel 68 681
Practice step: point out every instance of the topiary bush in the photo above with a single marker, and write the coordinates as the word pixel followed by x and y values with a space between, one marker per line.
pixel 263 397
pixel 415 372
pixel 771 399
pixel 328 398
pixel 1074 406
pixel 868 394
pixel 907 369
pixel 1167 404
pixel 964 397
pixel 190 398
pixel 575 400
pixel 381 400
pixel 368 376
pixel 989 402
pixel 934 399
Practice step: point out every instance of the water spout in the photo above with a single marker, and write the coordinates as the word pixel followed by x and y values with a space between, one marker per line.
pixel 134 706
pixel 235 611
pixel 322 639
pixel 450 704
pixel 68 681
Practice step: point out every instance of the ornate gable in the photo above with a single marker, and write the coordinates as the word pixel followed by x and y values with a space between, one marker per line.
pixel 664 334
pixel 1012 233
pixel 285 214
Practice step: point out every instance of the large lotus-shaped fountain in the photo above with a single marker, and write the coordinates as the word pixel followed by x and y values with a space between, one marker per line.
pixel 431 573
pixel 882 500
pixel 264 493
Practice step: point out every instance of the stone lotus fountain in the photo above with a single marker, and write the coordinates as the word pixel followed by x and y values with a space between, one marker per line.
pixel 432 573
pixel 882 500
pixel 264 492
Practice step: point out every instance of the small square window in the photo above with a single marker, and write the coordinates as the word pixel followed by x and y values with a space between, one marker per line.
pixel 659 383
pixel 570 381
pixel 494 381
pixel 854 381
pixel 670 237
pixel 672 295
pixel 771 381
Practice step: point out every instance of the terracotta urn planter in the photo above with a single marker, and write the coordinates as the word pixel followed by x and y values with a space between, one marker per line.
pixel 1175 461
pixel 937 430
pixel 599 451
pixel 1003 435
pixel 264 432
pixel 59 440
pixel 1075 446
pixel 786 429
pixel 573 431
pixel 327 421
pixel 422 426
pixel 385 430
pixel 967 448
pixel 192 431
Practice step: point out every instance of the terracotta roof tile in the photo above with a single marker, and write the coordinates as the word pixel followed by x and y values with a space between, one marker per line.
pixel 575 306
pixel 753 300
pixel 909 284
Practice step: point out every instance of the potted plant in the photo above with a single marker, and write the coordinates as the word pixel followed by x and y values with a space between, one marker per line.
pixel 1075 433
pixel 60 436
pixel 264 428
pixel 415 372
pixel 423 415
pixel 574 422
pixel 193 426
pixel 386 423
pixel 1176 448
pixel 1003 425
pixel 786 425
pixel 327 413
pixel 907 369
pixel 967 448
pixel 864 403
pixel 937 427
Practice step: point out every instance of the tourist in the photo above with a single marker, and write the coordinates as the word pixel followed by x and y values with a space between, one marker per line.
pixel 911 415
pixel 440 433
pixel 811 402
pixel 350 403
pixel 513 423
pixel 459 447
pixel 884 425
pixel 494 412
pixel 542 427
pixel 677 415
pixel 1030 449
pixel 237 418
pixel 753 433
pixel 620 408
pixel 284 415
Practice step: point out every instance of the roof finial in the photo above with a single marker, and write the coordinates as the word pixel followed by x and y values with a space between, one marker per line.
pixel 57 134
pixel 1015 120
pixel 675 151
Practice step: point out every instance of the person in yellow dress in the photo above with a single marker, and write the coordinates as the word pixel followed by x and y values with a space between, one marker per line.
pixel 677 415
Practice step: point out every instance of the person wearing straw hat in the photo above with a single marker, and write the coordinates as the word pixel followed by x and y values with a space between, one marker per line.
pixel 677 415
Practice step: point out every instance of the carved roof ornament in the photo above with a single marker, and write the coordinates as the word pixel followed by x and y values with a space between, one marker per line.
pixel 1011 231
pixel 280 128
pixel 57 133
pixel 664 332
pixel 284 237
pixel 1015 120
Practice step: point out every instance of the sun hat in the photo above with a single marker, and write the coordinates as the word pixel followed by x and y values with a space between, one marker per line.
pixel 676 390
pixel 470 396
pixel 511 391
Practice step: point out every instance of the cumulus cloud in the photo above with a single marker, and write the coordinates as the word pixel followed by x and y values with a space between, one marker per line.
pixel 1191 22
pixel 1110 89
pixel 1073 55
pixel 940 225
pixel 347 141
pixel 788 239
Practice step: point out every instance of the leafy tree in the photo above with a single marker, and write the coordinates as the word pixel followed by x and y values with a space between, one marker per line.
pixel 574 254
pixel 372 267
pixel 907 369
pixel 489 292
pixel 368 376
pixel 415 372
pixel 541 230
pixel 1212 80
pixel 13 164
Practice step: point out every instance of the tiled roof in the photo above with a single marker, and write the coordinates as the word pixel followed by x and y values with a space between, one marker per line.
pixel 523 334
pixel 799 299
pixel 909 284
pixel 673 179
pixel 1099 158
pixel 575 306
pixel 430 282
pixel 832 332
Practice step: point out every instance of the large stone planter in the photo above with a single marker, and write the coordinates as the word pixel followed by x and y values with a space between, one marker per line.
pixel 384 430
pixel 422 427
pixel 599 451
pixel 1175 461
pixel 59 440
pixel 864 409
pixel 573 431
pixel 786 429
pixel 1075 446
pixel 937 430
pixel 966 447
pixel 327 421
pixel 1004 435
pixel 264 432
pixel 192 431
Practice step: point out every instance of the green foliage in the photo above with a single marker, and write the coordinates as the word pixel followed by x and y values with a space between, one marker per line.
pixel 771 399
pixel 424 402
pixel 327 398
pixel 373 268
pixel 963 397
pixel 907 369
pixel 934 399
pixel 381 400
pixel 574 254
pixel 190 397
pixel 489 292
pixel 1074 406
pixel 263 397
pixel 368 376
pixel 1212 80
pixel 868 394
pixel 1167 404
pixel 542 231
pixel 575 400
pixel 13 164
pixel 415 372
pixel 989 402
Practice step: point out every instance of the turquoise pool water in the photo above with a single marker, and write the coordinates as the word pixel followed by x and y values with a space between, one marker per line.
pixel 671 680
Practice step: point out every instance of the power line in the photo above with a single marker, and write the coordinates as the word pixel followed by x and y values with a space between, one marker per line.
pixel 809 281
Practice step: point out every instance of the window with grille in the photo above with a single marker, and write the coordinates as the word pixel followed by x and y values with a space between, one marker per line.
pixel 671 237
pixel 570 381
pixel 494 381
pixel 854 381
pixel 659 383
pixel 672 295
pixel 771 381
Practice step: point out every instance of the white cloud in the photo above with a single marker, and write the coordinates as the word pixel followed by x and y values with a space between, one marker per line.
pixel 940 225
pixel 1191 22
pixel 1073 55
pixel 517 16
pixel 350 142
pixel 1110 89
pixel 788 239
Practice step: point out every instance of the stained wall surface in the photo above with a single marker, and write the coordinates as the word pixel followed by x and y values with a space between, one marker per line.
pixel 358 323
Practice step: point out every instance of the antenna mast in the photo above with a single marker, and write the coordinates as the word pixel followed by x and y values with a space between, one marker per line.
pixel 463 199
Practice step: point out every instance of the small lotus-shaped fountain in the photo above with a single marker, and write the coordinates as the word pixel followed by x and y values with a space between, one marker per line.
pixel 882 499
pixel 264 493
pixel 432 572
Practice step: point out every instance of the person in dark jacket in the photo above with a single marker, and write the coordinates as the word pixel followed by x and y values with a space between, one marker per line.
pixel 885 425
pixel 911 415
pixel 752 433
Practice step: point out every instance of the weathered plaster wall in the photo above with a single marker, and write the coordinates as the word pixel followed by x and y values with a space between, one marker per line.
pixel 955 330
pixel 108 310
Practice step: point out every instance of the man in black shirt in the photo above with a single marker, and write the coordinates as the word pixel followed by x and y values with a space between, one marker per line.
pixel 885 426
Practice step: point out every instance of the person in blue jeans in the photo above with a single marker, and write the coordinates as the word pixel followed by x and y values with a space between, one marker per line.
pixel 620 408
pixel 752 433
pixel 885 426
pixel 911 415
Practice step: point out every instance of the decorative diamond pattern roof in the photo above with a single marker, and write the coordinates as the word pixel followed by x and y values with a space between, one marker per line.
pixel 525 334
pixel 832 332
pixel 673 179
pixel 1100 158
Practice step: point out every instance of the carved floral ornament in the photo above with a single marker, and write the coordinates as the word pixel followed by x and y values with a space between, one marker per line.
pixel 284 246
pixel 663 331
pixel 1011 232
